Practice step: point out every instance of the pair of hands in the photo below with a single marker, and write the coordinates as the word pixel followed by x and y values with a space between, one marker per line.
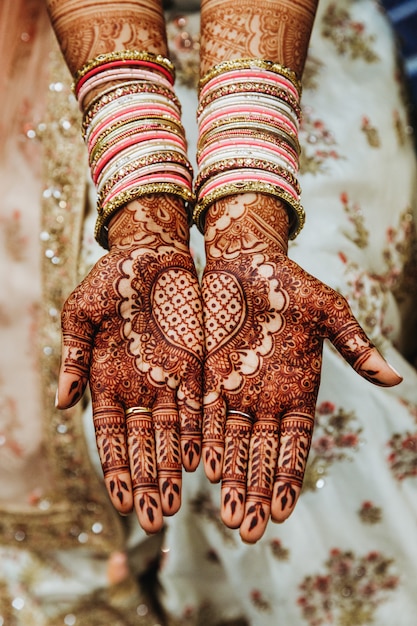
pixel 134 330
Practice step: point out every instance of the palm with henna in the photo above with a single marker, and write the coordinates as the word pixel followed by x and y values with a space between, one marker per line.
pixel 133 330
pixel 266 320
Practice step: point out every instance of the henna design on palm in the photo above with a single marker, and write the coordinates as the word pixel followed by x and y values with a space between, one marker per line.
pixel 133 330
pixel 266 320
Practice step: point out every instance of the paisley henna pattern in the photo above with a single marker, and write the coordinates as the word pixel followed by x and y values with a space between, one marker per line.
pixel 87 29
pixel 266 320
pixel 278 30
pixel 133 328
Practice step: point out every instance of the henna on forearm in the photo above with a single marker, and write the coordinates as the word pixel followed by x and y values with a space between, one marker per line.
pixel 87 28
pixel 278 30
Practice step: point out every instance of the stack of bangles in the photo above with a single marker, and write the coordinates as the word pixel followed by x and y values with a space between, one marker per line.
pixel 248 120
pixel 133 131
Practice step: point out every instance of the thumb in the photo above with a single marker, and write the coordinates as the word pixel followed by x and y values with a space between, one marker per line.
pixel 77 338
pixel 353 344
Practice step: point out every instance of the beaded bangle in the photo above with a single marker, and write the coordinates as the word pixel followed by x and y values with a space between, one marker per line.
pixel 120 74
pixel 146 59
pixel 248 117
pixel 133 131
pixel 251 88
pixel 157 159
pixel 259 64
pixel 245 163
pixel 120 91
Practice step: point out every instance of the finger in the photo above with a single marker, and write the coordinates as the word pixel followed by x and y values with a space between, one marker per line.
pixel 351 341
pixel 236 456
pixel 190 424
pixel 296 431
pixel 213 438
pixel 168 455
pixel 143 468
pixel 262 463
pixel 77 336
pixel 109 425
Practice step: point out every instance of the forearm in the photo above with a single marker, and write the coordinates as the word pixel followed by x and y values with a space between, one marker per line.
pixel 88 28
pixel 117 54
pixel 277 30
pixel 259 105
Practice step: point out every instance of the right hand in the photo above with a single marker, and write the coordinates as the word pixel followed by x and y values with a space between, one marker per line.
pixel 133 330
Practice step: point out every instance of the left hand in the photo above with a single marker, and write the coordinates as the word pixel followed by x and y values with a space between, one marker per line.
pixel 265 323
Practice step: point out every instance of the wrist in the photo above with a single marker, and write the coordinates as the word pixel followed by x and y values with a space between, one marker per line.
pixel 150 221
pixel 248 222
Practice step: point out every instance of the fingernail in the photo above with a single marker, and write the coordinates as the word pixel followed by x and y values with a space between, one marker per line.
pixel 56 399
pixel 394 370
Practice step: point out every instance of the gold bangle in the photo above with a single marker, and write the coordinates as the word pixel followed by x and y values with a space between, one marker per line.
pixel 106 213
pixel 123 55
pixel 103 142
pixel 243 64
pixel 151 159
pixel 243 123
pixel 250 88
pixel 245 163
pixel 124 90
pixel 297 217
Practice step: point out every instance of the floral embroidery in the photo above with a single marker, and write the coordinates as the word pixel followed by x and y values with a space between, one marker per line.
pixel 278 550
pixel 259 601
pixel 318 144
pixel 368 293
pixel 360 237
pixel 349 592
pixel 371 133
pixel 348 36
pixel 402 459
pixel 336 436
pixel 369 513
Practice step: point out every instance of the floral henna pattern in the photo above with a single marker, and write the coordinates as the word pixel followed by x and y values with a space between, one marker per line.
pixel 133 329
pixel 266 320
pixel 85 32
pixel 271 29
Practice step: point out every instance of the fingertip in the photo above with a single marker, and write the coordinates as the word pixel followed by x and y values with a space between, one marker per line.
pixel 213 462
pixel 70 391
pixel 378 371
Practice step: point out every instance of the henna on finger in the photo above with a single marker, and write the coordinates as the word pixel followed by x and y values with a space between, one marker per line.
pixel 261 473
pixel 168 455
pixel 190 432
pixel 143 468
pixel 295 440
pixel 110 429
pixel 213 438
pixel 235 466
